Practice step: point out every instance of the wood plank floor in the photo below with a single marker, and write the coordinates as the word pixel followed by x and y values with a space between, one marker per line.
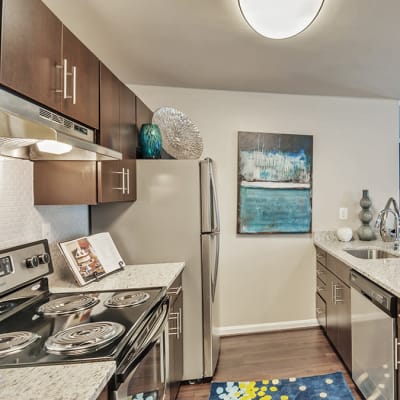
pixel 283 354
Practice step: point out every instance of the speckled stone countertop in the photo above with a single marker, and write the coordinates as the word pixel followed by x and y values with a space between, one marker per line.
pixel 131 277
pixel 385 272
pixel 83 381
pixel 57 382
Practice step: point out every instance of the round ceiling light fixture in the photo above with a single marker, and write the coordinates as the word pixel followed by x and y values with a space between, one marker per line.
pixel 280 19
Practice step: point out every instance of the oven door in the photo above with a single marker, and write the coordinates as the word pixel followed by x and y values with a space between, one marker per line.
pixel 141 374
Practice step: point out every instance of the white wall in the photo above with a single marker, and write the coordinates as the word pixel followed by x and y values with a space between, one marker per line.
pixel 271 278
pixel 21 222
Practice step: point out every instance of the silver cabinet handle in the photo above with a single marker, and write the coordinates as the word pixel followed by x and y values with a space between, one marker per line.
pixel 123 180
pixel 74 85
pixel 320 289
pixel 320 272
pixel 64 90
pixel 174 291
pixel 321 258
pixel 127 182
pixel 319 311
pixel 180 320
pixel 174 331
pixel 337 300
pixel 396 354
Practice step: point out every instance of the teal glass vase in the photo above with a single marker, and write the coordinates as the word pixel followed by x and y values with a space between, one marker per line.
pixel 150 141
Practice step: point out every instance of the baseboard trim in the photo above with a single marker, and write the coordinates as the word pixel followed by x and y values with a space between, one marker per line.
pixel 268 327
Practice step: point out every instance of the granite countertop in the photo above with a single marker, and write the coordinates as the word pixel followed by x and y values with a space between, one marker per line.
pixel 385 272
pixel 131 277
pixel 83 381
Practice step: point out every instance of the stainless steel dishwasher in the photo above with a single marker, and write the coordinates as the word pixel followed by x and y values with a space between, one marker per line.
pixel 374 342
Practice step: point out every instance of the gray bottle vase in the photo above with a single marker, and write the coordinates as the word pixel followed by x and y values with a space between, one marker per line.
pixel 365 232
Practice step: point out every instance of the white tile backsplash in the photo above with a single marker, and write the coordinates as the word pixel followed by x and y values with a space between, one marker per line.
pixel 21 222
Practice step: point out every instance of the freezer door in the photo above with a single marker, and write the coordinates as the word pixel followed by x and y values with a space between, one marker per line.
pixel 209 200
pixel 210 255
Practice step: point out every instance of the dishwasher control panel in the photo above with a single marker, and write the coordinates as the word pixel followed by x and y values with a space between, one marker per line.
pixel 377 295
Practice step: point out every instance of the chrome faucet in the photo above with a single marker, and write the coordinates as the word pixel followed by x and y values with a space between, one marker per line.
pixel 389 235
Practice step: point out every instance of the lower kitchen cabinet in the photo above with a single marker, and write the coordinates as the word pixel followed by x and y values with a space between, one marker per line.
pixel 333 303
pixel 83 182
pixel 175 339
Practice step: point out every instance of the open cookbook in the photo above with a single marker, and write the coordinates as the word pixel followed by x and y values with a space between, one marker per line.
pixel 91 257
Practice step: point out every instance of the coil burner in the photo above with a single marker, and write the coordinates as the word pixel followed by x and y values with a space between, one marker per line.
pixel 68 305
pixel 15 342
pixel 84 338
pixel 126 299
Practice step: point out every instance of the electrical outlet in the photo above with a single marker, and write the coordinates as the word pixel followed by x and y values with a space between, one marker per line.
pixel 343 213
pixel 45 230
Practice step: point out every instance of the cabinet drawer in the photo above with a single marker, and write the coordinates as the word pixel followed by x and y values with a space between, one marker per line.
pixel 322 289
pixel 340 269
pixel 321 272
pixel 320 311
pixel 321 256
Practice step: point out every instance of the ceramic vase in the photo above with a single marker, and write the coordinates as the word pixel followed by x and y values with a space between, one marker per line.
pixel 150 141
pixel 365 232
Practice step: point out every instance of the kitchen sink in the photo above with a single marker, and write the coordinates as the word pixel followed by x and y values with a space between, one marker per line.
pixel 370 254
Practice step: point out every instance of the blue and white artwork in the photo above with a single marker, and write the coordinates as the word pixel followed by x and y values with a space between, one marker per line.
pixel 274 183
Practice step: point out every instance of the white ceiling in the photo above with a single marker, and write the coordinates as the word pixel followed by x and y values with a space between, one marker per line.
pixel 351 49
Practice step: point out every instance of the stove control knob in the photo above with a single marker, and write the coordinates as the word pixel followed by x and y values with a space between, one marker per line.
pixel 32 262
pixel 44 258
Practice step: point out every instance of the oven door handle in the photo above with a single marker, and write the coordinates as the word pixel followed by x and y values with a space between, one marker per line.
pixel 133 358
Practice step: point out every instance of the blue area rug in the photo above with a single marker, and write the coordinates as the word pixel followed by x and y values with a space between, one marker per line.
pixel 329 386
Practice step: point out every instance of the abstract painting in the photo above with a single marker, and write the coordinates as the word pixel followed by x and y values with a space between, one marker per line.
pixel 274 183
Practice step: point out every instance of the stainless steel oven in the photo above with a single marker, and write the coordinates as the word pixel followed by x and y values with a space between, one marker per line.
pixel 142 373
pixel 40 328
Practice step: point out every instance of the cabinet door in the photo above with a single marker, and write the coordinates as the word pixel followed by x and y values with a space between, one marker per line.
pixel 320 311
pixel 343 313
pixel 82 86
pixel 116 181
pixel 143 113
pixel 64 182
pixel 127 119
pixel 30 51
pixel 175 343
pixel 109 109
pixel 331 309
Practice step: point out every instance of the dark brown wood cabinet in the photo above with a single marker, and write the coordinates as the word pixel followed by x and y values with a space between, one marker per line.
pixel 82 83
pixel 128 132
pixel 83 182
pixel 116 181
pixel 143 113
pixel 175 339
pixel 43 60
pixel 333 299
pixel 117 115
pixel 30 50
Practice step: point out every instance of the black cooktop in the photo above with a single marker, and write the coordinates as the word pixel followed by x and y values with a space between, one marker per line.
pixel 31 319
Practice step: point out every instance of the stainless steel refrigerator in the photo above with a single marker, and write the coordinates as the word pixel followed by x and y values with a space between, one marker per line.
pixel 175 218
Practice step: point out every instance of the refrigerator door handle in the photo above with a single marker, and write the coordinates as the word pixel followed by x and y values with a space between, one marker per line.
pixel 214 279
pixel 215 213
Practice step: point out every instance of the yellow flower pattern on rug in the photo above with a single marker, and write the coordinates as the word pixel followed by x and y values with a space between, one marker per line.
pixel 330 386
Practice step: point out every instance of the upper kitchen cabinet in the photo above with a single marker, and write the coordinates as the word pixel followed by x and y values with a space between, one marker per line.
pixel 143 113
pixel 117 115
pixel 81 81
pixel 43 60
pixel 128 127
pixel 30 51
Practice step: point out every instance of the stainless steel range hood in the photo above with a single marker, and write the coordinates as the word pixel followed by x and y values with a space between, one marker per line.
pixel 25 127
